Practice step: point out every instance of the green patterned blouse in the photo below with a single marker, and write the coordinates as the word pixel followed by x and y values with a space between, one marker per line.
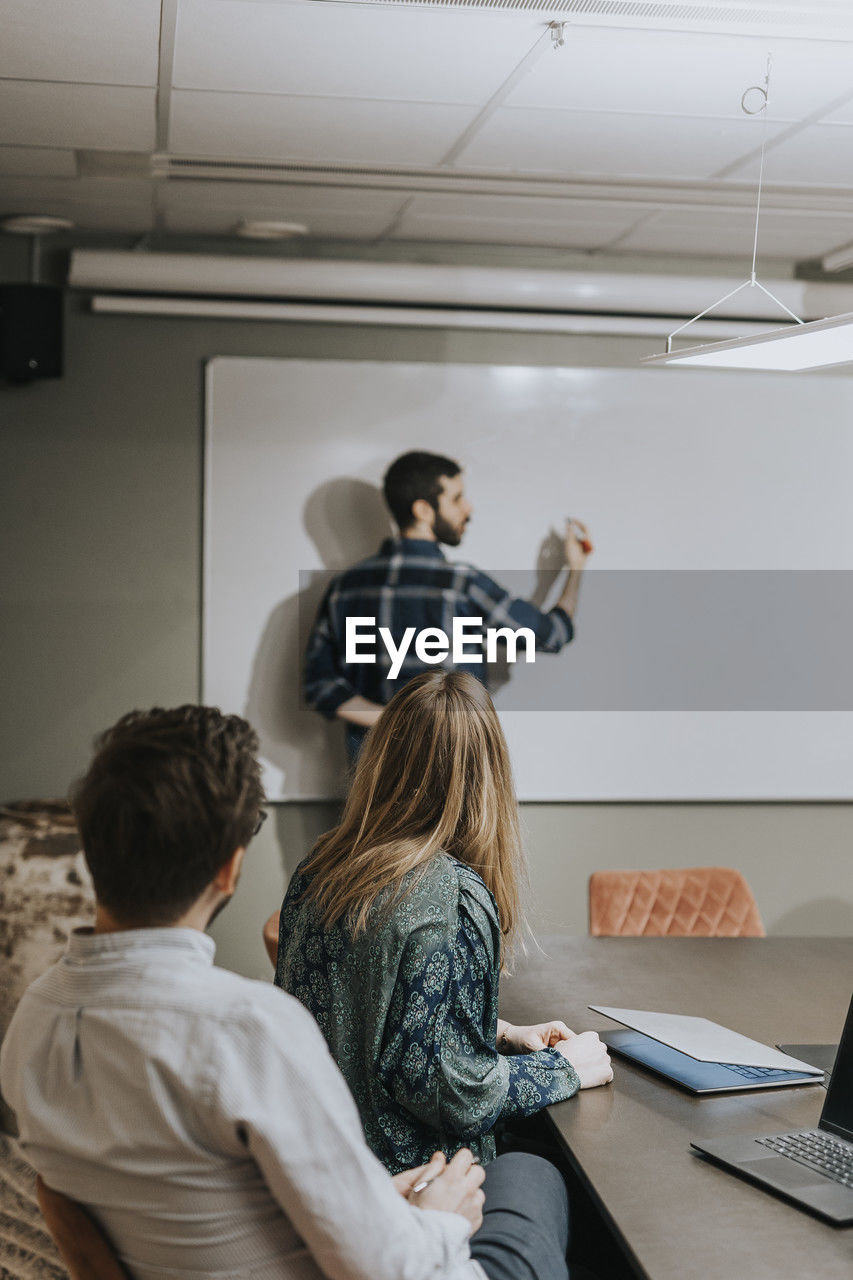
pixel 410 1014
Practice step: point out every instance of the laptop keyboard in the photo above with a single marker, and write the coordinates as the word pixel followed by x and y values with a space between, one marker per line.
pixel 823 1152
pixel 759 1073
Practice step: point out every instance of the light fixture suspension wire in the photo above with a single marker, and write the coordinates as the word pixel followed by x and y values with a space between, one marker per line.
pixel 765 95
pixel 752 282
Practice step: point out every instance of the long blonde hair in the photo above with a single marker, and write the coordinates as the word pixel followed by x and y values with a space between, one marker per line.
pixel 434 774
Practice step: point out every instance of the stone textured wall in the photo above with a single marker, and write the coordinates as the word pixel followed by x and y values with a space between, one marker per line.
pixel 45 892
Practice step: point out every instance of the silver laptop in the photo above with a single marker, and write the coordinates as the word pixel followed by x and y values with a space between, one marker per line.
pixel 811 1167
pixel 821 1056
pixel 694 1075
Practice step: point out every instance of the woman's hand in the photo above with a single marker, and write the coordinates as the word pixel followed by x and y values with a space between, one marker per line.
pixel 451 1188
pixel 544 1035
pixel 589 1057
pixel 455 1188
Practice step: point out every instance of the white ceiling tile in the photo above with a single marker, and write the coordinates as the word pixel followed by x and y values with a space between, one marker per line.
pixel 325 224
pixel 582 143
pixel 722 233
pixel 98 216
pixel 216 207
pixel 843 115
pixel 580 224
pixel 685 74
pixel 37 162
pixel 360 51
pixel 313 129
pixel 109 190
pixel 819 155
pixel 91 203
pixel 91 41
pixel 36 113
pixel 247 197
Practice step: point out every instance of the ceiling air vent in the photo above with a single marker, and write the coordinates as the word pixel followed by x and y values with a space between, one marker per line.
pixel 320 172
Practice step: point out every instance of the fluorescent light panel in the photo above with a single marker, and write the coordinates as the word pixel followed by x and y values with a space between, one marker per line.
pixel 819 344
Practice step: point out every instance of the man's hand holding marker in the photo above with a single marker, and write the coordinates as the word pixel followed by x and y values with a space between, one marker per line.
pixel 578 547
pixel 577 536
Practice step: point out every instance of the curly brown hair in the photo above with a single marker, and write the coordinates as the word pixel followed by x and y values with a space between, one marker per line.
pixel 168 798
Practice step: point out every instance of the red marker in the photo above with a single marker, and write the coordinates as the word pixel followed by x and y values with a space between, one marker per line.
pixel 582 539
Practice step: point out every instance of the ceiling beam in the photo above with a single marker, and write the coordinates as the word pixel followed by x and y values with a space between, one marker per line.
pixel 674 194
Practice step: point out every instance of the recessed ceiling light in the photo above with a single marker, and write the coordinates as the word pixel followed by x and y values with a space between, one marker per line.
pixel 256 229
pixel 34 224
pixel 838 259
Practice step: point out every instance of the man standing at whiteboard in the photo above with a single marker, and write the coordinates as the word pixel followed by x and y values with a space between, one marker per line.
pixel 409 586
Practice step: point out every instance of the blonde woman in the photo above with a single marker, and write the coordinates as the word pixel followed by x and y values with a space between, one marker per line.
pixel 395 928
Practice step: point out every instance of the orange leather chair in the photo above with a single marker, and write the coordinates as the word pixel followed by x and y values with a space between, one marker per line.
pixel 82 1245
pixel 688 902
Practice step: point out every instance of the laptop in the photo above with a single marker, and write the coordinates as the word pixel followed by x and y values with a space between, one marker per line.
pixel 818 1055
pixel 695 1076
pixel 813 1168
pixel 701 1056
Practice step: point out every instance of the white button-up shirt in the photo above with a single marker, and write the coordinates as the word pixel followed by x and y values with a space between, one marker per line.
pixel 201 1119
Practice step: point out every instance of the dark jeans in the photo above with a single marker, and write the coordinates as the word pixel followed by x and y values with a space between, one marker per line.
pixel 525 1229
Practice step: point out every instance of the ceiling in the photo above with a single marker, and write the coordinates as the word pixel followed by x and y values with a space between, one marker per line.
pixel 405 122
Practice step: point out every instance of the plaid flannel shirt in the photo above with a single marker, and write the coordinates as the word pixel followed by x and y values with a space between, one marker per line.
pixel 410 583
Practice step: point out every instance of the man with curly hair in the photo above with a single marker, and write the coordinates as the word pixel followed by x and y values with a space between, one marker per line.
pixel 197 1115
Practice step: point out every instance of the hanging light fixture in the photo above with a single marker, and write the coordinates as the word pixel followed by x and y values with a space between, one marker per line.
pixel 794 346
pixel 816 345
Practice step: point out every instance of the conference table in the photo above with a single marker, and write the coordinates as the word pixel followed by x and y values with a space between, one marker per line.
pixel 676 1215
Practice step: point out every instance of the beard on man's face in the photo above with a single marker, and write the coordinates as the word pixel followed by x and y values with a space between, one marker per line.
pixel 446 532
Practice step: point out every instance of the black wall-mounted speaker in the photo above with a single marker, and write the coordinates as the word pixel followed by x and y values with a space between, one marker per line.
pixel 30 331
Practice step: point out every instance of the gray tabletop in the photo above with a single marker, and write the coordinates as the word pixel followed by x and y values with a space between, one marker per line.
pixel 678 1215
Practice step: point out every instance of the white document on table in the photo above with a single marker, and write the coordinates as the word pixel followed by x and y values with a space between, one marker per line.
pixel 706 1041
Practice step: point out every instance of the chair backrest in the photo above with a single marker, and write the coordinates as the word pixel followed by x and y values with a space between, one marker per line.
pixel 82 1244
pixel 684 902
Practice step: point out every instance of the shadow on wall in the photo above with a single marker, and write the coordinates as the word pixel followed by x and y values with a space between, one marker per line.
pixel 550 562
pixel 827 917
pixel 346 520
pixel 298 827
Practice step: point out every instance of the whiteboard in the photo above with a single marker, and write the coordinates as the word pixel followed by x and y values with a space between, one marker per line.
pixel 675 471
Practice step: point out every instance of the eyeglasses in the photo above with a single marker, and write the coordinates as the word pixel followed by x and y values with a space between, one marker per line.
pixel 262 817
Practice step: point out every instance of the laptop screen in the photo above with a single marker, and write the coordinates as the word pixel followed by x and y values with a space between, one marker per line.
pixel 837 1114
